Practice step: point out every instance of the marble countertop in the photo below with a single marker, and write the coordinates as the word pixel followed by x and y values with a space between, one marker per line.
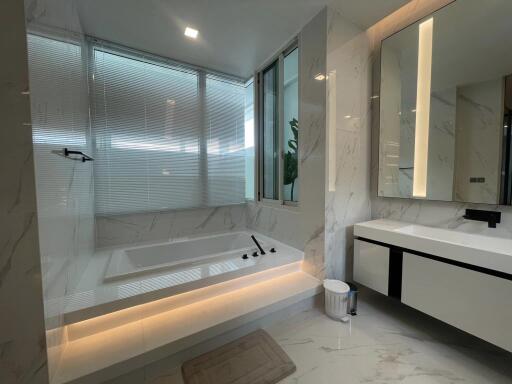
pixel 493 253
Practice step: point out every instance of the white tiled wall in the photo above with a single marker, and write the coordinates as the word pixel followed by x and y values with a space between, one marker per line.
pixel 23 356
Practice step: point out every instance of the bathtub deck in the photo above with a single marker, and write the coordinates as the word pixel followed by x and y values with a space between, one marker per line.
pixel 96 297
pixel 104 354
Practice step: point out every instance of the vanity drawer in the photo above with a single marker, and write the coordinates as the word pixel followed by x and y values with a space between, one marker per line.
pixel 371 265
pixel 475 302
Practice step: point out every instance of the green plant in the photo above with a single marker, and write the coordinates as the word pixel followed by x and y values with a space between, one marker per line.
pixel 291 159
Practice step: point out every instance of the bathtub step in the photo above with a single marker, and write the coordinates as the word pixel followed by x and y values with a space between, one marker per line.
pixel 118 349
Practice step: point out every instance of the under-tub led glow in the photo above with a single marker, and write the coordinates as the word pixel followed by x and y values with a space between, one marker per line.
pixel 423 108
pixel 109 322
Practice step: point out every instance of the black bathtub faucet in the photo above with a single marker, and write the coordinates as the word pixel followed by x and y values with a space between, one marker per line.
pixel 262 252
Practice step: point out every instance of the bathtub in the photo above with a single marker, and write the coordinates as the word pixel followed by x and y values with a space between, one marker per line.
pixel 220 252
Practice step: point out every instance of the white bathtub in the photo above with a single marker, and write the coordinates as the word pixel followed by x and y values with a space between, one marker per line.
pixel 223 251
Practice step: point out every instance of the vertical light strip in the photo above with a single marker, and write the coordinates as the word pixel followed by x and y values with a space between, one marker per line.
pixel 423 108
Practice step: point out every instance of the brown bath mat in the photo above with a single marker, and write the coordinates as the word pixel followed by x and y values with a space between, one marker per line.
pixel 252 359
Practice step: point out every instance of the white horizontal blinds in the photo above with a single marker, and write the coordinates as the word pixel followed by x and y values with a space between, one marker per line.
pixel 225 129
pixel 173 132
pixel 166 137
pixel 249 140
pixel 147 132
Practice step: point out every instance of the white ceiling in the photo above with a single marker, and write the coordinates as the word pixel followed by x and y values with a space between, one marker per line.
pixel 235 36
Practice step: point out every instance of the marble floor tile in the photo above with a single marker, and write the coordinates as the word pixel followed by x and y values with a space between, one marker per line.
pixel 386 342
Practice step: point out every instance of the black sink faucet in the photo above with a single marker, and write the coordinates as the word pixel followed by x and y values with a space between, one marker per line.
pixel 491 217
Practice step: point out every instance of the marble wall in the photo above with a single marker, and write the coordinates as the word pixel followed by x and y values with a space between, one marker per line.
pixel 441 148
pixel 432 213
pixel 162 226
pixel 478 141
pixel 347 197
pixel 60 119
pixel 303 226
pixel 23 356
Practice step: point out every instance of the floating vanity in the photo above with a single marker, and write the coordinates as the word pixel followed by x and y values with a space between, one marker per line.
pixel 462 279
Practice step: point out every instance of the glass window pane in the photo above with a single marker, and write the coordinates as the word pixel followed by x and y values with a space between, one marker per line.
pixel 291 126
pixel 270 124
pixel 225 130
pixel 249 140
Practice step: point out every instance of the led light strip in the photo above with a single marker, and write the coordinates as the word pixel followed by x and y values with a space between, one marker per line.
pixel 423 108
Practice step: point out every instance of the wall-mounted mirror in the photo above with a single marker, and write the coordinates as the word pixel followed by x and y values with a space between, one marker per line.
pixel 446 106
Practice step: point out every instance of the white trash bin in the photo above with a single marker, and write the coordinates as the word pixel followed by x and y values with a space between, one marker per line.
pixel 336 299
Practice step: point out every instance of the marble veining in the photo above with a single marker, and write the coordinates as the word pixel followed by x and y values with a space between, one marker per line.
pixel 23 357
pixel 478 136
pixel 386 342
pixel 162 226
pixel 347 199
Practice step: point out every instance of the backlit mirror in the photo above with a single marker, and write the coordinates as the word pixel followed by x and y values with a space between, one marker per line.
pixel 445 106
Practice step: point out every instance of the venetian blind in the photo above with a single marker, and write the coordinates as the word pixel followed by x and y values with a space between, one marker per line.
pixel 166 137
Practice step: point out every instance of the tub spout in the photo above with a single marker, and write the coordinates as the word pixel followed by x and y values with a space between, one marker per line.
pixel 262 252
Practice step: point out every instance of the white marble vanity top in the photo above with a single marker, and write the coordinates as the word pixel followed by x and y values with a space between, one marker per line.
pixel 483 251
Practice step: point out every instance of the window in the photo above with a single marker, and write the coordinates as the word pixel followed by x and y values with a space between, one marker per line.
pixel 167 136
pixel 270 131
pixel 279 129
pixel 249 140
pixel 291 126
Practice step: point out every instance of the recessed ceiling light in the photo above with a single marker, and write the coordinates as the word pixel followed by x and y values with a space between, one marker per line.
pixel 191 32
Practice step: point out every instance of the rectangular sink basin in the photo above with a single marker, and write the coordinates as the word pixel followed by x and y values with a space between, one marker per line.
pixel 486 243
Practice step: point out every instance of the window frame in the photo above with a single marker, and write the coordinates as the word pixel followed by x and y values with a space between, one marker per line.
pixel 275 65
pixel 259 116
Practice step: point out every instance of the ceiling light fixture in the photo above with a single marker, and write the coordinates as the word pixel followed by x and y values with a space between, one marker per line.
pixel 320 77
pixel 191 32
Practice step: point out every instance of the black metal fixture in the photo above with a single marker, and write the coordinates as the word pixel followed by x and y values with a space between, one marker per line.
pixel 85 157
pixel 245 257
pixel 258 245
pixel 491 217
pixel 255 254
pixel 273 250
